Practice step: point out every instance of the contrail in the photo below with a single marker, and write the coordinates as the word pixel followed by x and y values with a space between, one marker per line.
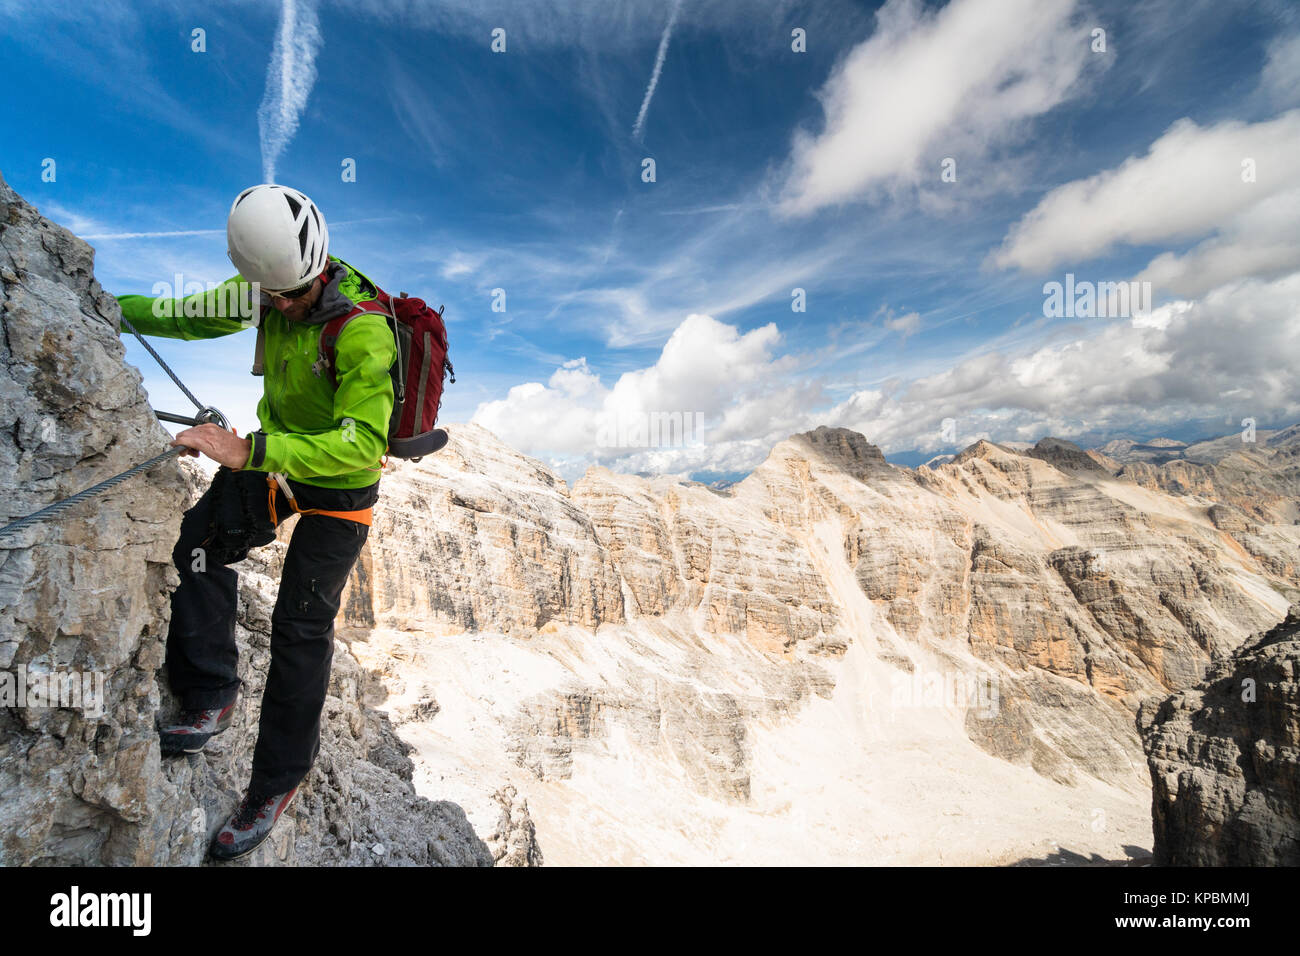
pixel 289 78
pixel 215 232
pixel 654 75
pixel 155 235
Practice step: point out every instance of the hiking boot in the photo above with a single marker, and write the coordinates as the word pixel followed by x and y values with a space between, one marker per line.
pixel 249 825
pixel 195 729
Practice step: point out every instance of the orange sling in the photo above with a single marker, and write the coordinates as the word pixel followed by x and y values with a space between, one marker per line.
pixel 276 480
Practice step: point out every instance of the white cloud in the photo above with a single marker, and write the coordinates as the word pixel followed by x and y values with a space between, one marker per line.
pixel 1170 367
pixel 1263 240
pixel 707 368
pixel 704 363
pixel 929 85
pixel 1232 351
pixel 905 325
pixel 534 417
pixel 1189 183
pixel 458 264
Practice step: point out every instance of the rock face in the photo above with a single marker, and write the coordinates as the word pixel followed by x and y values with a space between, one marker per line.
pixel 87 594
pixel 1225 758
pixel 480 537
pixel 79 789
pixel 1039 571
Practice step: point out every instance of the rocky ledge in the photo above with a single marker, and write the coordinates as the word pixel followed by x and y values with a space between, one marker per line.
pixel 1225 758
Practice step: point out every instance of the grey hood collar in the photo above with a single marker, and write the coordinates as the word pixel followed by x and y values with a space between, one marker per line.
pixel 332 302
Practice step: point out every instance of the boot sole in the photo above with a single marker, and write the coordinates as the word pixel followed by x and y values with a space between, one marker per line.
pixel 178 751
pixel 174 750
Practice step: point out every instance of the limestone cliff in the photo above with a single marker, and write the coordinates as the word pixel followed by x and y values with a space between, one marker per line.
pixel 814 605
pixel 1225 758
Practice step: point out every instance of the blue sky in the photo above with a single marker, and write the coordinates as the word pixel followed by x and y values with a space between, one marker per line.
pixel 775 170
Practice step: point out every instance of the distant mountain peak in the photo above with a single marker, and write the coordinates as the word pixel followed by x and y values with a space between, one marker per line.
pixel 1064 454
pixel 988 450
pixel 845 448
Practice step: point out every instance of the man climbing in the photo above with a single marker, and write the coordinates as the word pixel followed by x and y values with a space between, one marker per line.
pixel 319 443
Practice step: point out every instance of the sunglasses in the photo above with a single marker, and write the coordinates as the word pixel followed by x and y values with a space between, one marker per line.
pixel 297 293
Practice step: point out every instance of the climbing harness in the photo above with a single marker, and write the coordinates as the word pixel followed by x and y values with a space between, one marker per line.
pixel 206 415
pixel 276 480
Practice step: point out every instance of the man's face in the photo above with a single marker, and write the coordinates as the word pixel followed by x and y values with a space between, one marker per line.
pixel 297 309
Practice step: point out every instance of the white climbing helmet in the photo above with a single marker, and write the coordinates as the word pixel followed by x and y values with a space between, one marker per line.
pixel 276 236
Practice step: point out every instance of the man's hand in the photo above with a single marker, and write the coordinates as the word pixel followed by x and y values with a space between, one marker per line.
pixel 221 446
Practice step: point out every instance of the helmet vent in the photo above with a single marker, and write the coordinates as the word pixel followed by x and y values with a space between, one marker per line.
pixel 294 206
pixel 302 238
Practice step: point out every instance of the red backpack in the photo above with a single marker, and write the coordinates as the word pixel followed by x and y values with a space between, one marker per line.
pixel 418 373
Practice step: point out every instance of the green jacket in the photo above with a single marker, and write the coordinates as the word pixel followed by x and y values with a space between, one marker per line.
pixel 310 432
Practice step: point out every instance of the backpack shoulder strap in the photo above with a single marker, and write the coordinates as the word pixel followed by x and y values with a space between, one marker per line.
pixel 259 351
pixel 331 330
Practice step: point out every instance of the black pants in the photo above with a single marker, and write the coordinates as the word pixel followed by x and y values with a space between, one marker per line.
pixel 230 518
